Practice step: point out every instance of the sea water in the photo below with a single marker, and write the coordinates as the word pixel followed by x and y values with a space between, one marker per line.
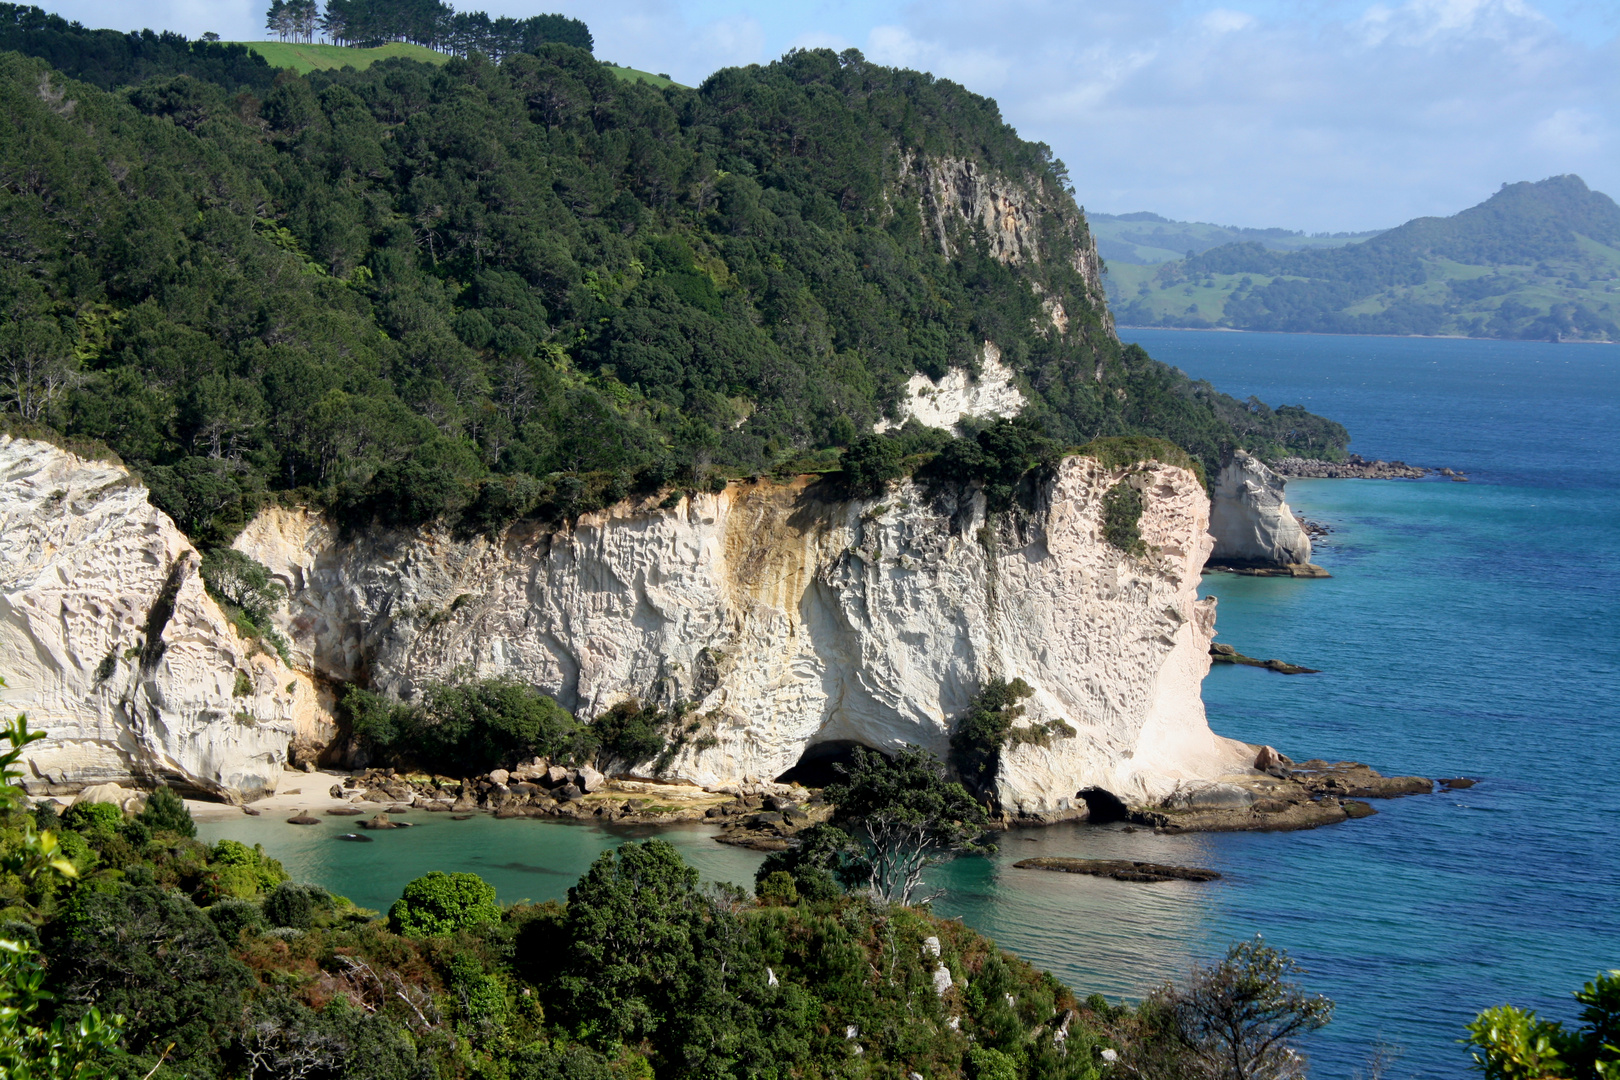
pixel 1467 630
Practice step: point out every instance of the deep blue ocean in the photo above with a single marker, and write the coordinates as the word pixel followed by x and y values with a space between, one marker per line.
pixel 1468 629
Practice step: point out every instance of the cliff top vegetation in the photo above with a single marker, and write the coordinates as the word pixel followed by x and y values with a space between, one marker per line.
pixel 483 289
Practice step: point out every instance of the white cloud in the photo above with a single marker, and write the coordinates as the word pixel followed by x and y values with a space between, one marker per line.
pixel 1375 115
pixel 1226 21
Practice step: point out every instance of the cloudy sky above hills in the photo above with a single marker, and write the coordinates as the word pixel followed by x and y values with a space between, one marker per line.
pixel 1322 115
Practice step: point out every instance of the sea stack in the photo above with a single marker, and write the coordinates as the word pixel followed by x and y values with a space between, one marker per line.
pixel 1252 523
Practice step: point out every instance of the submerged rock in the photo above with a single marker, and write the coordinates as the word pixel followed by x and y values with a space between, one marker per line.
pixel 1226 654
pixel 1120 869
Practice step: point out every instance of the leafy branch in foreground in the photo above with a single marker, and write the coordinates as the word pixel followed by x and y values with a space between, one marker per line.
pixel 59 1051
pixel 1515 1044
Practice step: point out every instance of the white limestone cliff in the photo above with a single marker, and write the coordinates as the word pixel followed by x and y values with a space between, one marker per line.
pixel 1251 520
pixel 110 644
pixel 959 395
pixel 794 620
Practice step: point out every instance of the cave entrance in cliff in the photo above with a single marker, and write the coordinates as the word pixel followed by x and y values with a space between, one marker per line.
pixel 816 766
pixel 1103 806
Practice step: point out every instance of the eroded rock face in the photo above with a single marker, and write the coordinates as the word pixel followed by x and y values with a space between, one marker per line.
pixel 959 395
pixel 1250 519
pixel 794 621
pixel 1008 213
pixel 110 644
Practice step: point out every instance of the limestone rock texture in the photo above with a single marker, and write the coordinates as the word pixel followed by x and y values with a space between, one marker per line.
pixel 1011 214
pixel 110 644
pixel 1250 519
pixel 798 622
pixel 959 395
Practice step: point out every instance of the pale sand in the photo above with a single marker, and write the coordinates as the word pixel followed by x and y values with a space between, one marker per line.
pixel 312 798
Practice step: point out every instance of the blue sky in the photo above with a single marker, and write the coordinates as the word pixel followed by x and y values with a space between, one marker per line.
pixel 1322 115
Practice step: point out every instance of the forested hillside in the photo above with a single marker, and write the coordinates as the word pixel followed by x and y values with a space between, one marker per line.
pixel 1535 260
pixel 494 290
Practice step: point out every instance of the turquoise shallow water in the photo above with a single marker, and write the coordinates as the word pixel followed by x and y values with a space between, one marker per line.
pixel 1468 629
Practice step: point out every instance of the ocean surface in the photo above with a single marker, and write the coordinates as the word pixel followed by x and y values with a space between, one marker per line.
pixel 1468 630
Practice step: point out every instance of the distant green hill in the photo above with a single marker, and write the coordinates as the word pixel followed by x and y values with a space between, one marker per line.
pixel 1146 239
pixel 306 58
pixel 1535 260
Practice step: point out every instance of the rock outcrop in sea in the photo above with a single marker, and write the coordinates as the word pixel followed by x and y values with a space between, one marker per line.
pixel 1251 520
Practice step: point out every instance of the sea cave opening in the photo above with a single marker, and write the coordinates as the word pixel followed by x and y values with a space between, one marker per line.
pixel 816 766
pixel 1103 806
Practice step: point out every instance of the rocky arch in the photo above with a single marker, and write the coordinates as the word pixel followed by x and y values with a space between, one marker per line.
pixel 1103 806
pixel 817 766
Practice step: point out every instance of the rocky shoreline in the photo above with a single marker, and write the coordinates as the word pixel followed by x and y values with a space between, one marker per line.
pixel 1287 797
pixel 1276 795
pixel 1357 467
pixel 1261 569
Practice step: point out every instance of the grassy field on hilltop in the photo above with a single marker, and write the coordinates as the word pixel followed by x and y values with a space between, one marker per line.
pixel 629 74
pixel 304 58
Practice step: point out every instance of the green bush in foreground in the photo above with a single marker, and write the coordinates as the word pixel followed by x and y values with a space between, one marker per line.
pixel 166 812
pixel 440 903
pixel 1515 1044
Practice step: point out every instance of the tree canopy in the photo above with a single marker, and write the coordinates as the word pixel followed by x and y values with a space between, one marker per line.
pixel 486 291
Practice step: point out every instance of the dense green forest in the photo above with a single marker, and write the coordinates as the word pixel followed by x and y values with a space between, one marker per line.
pixel 1535 260
pixel 112 58
pixel 532 287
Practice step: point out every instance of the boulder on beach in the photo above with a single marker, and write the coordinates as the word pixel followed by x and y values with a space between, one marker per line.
pixel 302 818
pixel 590 780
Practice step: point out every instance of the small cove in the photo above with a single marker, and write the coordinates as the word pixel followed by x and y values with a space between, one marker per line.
pixel 1468 630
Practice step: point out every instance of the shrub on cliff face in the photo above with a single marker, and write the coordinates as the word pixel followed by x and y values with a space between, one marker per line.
pixel 1122 516
pixel 869 463
pixel 982 732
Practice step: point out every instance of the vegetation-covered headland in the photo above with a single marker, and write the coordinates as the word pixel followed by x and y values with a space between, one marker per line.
pixel 418 291
pixel 1535 261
